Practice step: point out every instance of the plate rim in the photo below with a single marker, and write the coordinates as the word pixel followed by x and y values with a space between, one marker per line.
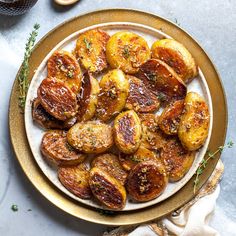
pixel 146 30
pixel 106 219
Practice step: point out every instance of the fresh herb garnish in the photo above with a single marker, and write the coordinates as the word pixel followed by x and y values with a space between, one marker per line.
pixel 161 97
pixel 151 76
pixel 126 52
pixel 14 207
pixel 70 74
pixel 135 158
pixel 69 147
pixel 24 72
pixel 112 92
pixel 87 44
pixel 204 162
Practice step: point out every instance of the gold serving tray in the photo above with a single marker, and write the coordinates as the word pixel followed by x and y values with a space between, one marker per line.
pixel 41 182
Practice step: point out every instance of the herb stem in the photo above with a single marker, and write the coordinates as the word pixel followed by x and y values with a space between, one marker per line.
pixel 23 80
pixel 204 162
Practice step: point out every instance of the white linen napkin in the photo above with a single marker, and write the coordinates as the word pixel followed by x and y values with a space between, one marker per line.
pixel 190 220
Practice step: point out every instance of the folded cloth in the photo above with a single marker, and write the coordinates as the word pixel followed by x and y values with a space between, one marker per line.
pixel 190 220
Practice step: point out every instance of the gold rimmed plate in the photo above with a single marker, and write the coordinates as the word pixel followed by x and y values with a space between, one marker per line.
pixel 22 149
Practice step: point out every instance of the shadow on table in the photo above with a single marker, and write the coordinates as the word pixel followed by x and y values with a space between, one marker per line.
pixel 7 22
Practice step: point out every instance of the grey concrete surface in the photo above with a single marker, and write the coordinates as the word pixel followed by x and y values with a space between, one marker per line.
pixel 211 23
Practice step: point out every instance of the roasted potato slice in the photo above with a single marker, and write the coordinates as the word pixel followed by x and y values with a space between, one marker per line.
pixel 176 159
pixel 146 181
pixel 127 131
pixel 88 98
pixel 140 98
pixel 162 80
pixel 57 99
pixel 170 118
pixel 90 137
pixel 194 123
pixel 142 154
pixel 110 163
pixel 91 50
pixel 127 51
pixel 55 149
pixel 107 190
pixel 176 56
pixel 114 89
pixel 152 137
pixel 63 65
pixel 46 121
pixel 76 180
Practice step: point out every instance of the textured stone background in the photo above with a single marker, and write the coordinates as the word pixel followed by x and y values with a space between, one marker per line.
pixel 211 23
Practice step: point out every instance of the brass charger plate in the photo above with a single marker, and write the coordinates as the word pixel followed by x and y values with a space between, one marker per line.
pixel 40 181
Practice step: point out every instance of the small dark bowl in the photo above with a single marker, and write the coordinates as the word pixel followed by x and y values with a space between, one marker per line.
pixel 15 7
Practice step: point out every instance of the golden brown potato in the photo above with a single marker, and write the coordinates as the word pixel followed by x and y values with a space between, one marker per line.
pixel 76 180
pixel 127 131
pixel 91 50
pixel 110 163
pixel 127 51
pixel 152 137
pixel 140 98
pixel 146 181
pixel 106 189
pixel 176 56
pixel 57 99
pixel 63 65
pixel 88 98
pixel 90 137
pixel 142 154
pixel 56 150
pixel 194 123
pixel 46 121
pixel 162 80
pixel 114 88
pixel 170 117
pixel 176 159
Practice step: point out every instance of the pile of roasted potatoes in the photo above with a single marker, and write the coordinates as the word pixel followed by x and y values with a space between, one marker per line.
pixel 112 120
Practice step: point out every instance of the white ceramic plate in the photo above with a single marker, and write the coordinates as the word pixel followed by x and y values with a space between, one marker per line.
pixel 34 133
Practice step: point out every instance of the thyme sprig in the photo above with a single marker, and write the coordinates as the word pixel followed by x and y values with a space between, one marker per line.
pixel 204 162
pixel 23 80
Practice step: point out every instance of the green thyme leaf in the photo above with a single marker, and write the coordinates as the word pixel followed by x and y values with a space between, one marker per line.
pixel 135 158
pixel 87 44
pixel 161 97
pixel 126 52
pixel 230 144
pixel 14 207
pixel 70 74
